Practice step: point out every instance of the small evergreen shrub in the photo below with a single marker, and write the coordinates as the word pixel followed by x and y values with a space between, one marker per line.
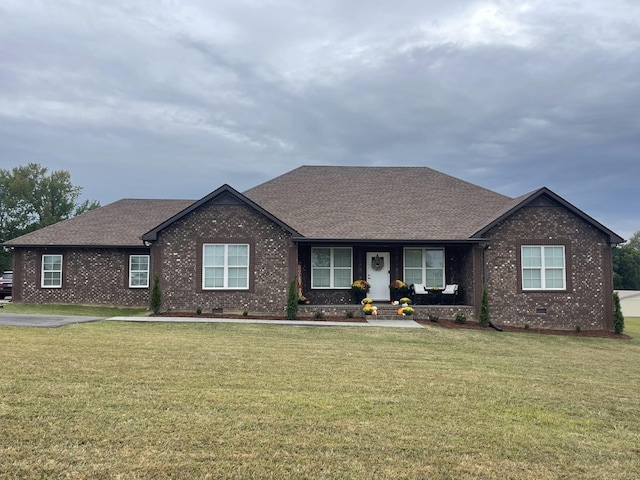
pixel 461 318
pixel 199 311
pixel 245 311
pixel 318 314
pixel 484 308
pixel 433 318
pixel 578 328
pixel 527 326
pixel 349 314
pixel 155 299
pixel 618 318
pixel 292 300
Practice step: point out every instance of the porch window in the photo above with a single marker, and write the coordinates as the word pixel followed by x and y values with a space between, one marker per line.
pixel 331 267
pixel 225 266
pixel 543 267
pixel 139 271
pixel 51 276
pixel 425 266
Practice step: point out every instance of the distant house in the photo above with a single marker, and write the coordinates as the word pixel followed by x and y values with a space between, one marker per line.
pixel 543 261
pixel 630 302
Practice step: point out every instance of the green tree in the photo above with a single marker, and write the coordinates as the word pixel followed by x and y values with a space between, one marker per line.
pixel 155 299
pixel 618 318
pixel 484 308
pixel 292 300
pixel 634 241
pixel 626 264
pixel 32 198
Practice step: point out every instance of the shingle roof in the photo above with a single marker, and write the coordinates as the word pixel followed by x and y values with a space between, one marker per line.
pixel 118 224
pixel 380 203
pixel 321 203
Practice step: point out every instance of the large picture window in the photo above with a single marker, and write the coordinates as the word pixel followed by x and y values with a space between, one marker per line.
pixel 331 267
pixel 51 275
pixel 225 266
pixel 139 271
pixel 543 267
pixel 424 266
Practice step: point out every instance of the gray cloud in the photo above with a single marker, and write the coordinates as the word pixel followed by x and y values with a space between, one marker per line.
pixel 172 99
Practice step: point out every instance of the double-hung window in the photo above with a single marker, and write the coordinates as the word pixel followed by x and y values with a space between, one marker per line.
pixel 139 271
pixel 51 274
pixel 543 267
pixel 424 266
pixel 331 267
pixel 225 266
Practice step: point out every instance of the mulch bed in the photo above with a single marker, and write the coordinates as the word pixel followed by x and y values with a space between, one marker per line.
pixel 443 323
pixel 545 331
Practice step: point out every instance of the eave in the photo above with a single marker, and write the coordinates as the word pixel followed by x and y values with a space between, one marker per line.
pixel 389 241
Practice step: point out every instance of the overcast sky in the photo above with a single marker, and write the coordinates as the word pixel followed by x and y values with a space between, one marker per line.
pixel 173 98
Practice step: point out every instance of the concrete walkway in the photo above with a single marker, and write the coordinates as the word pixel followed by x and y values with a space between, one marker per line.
pixel 50 321
pixel 291 323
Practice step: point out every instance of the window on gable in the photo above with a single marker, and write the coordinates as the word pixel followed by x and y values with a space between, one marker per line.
pixel 543 267
pixel 225 266
pixel 331 267
pixel 425 266
pixel 51 274
pixel 139 271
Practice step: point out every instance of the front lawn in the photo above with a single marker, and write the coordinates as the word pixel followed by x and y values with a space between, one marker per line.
pixel 129 400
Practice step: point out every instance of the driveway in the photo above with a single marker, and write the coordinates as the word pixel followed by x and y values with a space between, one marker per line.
pixel 26 320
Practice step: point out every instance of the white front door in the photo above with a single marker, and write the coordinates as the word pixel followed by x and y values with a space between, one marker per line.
pixel 378 273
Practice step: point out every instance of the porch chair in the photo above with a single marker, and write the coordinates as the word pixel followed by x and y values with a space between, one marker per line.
pixel 450 294
pixel 418 292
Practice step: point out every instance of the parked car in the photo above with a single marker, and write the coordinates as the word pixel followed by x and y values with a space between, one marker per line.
pixel 6 284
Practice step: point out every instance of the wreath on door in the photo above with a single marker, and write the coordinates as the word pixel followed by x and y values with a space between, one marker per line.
pixel 377 263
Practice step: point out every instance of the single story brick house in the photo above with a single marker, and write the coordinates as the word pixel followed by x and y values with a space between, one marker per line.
pixel 543 261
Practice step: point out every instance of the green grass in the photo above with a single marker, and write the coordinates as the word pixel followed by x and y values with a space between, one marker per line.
pixel 83 310
pixel 127 400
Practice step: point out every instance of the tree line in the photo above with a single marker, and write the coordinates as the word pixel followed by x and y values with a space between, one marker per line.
pixel 32 198
pixel 626 264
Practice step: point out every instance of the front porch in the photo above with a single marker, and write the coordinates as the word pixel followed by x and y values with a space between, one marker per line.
pixel 388 311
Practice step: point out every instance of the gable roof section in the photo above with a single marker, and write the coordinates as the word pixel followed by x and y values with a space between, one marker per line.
pixel 378 203
pixel 117 224
pixel 529 198
pixel 225 194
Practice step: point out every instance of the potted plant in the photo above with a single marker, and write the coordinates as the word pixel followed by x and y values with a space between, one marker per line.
pixel 404 301
pixel 398 289
pixel 360 288
pixel 302 300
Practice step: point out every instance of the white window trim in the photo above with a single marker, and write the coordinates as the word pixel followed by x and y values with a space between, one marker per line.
pixel 424 266
pixel 543 269
pixel 42 270
pixel 226 266
pixel 147 271
pixel 332 269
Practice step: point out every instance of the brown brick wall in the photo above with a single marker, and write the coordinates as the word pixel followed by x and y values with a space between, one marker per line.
pixel 92 276
pixel 586 302
pixel 178 260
